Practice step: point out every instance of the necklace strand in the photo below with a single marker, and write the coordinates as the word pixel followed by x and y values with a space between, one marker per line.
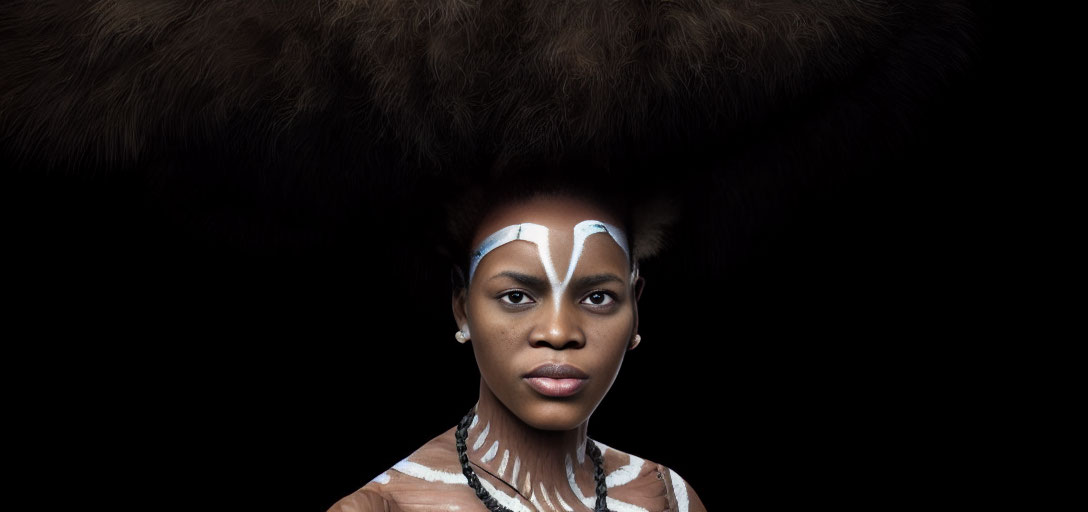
pixel 493 505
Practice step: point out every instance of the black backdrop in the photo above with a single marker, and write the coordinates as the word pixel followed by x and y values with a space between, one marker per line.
pixel 825 361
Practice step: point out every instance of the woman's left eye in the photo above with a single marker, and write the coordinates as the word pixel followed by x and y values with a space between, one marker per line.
pixel 600 298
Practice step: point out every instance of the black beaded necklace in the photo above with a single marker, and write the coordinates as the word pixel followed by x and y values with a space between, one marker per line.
pixel 473 481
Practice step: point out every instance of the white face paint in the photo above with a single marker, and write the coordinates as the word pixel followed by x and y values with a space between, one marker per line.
pixel 538 235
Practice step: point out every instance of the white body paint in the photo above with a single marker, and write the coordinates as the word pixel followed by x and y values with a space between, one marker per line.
pixel 491 452
pixel 544 493
pixel 504 499
pixel 502 466
pixel 577 490
pixel 431 475
pixel 680 490
pixel 562 503
pixel 483 437
pixel 538 235
pixel 618 477
pixel 624 474
pixel 517 465
pixel 535 502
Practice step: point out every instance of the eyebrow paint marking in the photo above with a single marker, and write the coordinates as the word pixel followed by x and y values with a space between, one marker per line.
pixel 538 235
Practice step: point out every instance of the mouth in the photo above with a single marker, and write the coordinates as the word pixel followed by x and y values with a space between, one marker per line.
pixel 555 379
pixel 555 387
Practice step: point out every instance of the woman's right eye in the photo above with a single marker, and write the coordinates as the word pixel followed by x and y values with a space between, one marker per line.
pixel 516 298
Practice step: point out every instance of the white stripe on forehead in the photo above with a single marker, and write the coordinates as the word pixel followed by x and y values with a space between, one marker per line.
pixel 538 235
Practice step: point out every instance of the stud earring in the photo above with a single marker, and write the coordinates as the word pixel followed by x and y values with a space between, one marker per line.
pixel 636 341
pixel 460 337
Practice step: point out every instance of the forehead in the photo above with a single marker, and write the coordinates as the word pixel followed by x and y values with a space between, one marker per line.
pixel 553 233
pixel 558 213
pixel 599 253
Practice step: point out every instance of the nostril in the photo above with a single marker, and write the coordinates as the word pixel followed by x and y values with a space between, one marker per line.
pixel 544 343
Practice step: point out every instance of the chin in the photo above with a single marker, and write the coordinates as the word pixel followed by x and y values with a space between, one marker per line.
pixel 547 414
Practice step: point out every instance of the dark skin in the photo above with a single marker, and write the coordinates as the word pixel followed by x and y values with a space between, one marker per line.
pixel 527 448
pixel 514 326
pixel 513 332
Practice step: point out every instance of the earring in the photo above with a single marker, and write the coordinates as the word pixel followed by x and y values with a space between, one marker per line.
pixel 636 341
pixel 460 337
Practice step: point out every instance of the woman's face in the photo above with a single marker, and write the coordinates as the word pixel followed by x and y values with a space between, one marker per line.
pixel 516 322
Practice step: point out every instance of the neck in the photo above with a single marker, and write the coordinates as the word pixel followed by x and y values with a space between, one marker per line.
pixel 531 461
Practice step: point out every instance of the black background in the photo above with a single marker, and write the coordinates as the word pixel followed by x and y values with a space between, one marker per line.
pixel 828 360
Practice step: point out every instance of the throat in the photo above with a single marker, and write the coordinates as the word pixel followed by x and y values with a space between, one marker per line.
pixel 548 467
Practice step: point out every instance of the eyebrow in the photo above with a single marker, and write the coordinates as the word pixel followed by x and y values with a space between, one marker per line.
pixel 536 282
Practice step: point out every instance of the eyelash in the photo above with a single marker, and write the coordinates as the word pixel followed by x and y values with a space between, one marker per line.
pixel 594 292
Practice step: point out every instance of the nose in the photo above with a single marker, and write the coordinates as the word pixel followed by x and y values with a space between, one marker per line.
pixel 557 329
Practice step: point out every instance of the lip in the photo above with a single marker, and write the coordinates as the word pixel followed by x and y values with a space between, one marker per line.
pixel 556 379
pixel 557 371
pixel 555 387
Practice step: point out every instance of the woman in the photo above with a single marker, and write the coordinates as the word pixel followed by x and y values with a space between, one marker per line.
pixel 549 306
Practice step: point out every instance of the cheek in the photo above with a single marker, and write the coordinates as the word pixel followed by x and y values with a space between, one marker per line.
pixel 622 329
pixel 490 324
pixel 611 336
pixel 494 338
pixel 611 327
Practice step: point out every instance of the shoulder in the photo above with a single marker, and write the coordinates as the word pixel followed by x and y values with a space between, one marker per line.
pixel 427 477
pixel 687 500
pixel 634 479
pixel 366 499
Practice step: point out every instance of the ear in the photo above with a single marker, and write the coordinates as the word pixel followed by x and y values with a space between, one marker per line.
pixel 640 282
pixel 460 307
pixel 460 297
